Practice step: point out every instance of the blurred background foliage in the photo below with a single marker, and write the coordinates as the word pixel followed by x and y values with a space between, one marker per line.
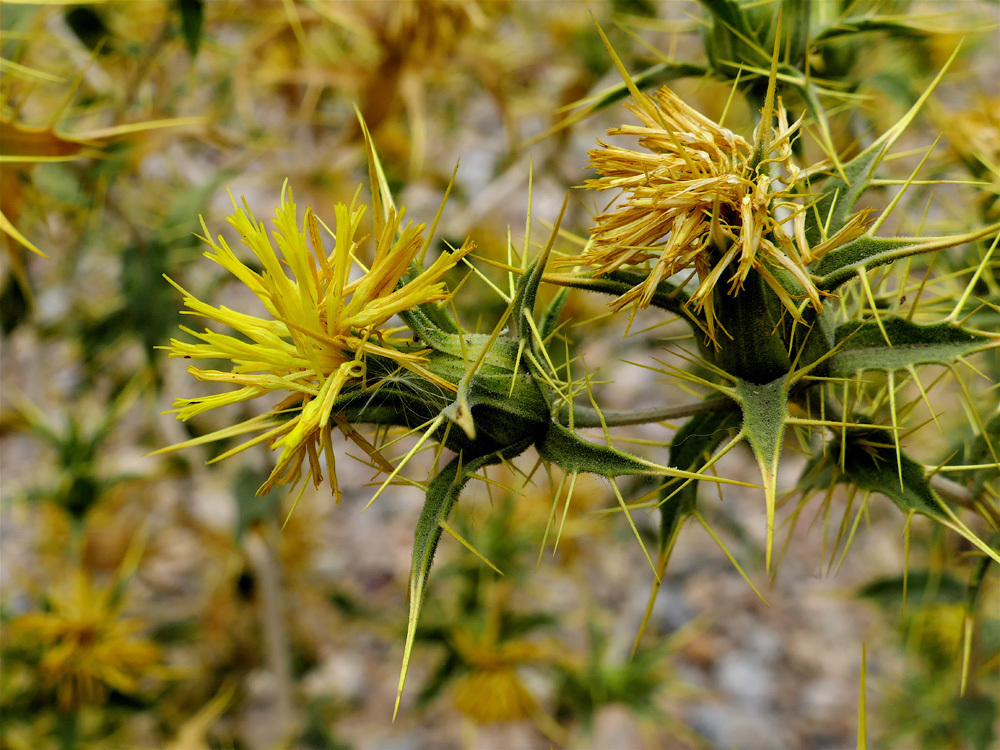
pixel 157 602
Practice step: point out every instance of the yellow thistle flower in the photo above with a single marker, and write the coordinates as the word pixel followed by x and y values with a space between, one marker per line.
pixel 320 327
pixel 493 690
pixel 698 199
pixel 87 646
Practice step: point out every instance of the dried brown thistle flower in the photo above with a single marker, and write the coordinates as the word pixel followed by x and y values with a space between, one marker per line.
pixel 701 197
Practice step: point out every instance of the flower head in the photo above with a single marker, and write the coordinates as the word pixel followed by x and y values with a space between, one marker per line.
pixel 492 691
pixel 320 326
pixel 701 197
pixel 87 647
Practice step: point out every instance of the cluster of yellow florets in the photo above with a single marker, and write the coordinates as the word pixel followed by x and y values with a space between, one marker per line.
pixel 320 326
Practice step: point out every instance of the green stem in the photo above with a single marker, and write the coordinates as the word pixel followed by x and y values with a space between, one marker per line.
pixel 587 416
pixel 69 729
pixel 961 496
pixel 667 297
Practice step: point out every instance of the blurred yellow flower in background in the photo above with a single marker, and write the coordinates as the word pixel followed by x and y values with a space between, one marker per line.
pixel 492 691
pixel 320 326
pixel 87 646
pixel 975 136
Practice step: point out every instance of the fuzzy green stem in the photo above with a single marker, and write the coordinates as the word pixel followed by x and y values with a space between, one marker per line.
pixel 586 416
pixel 961 496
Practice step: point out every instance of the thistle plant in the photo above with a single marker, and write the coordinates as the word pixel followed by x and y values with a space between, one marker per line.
pixel 79 650
pixel 770 339
pixel 793 291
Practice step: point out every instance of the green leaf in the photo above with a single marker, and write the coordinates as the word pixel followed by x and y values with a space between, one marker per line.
pixel 869 463
pixel 428 331
pixel 433 314
pixel 765 409
pixel 550 321
pixel 527 289
pixel 840 192
pixel 921 587
pixel 692 445
pixel 439 317
pixel 862 346
pixel 855 25
pixel 842 264
pixel 192 21
pixel 573 454
pixel 442 493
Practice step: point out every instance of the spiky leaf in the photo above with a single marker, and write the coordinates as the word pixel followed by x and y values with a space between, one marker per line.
pixel 862 346
pixel 869 463
pixel 527 292
pixel 765 409
pixel 866 252
pixel 442 493
pixel 691 446
pixel 550 321
pixel 571 453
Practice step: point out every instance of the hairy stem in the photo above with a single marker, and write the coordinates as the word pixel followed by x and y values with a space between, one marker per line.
pixel 587 416
pixel 958 495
